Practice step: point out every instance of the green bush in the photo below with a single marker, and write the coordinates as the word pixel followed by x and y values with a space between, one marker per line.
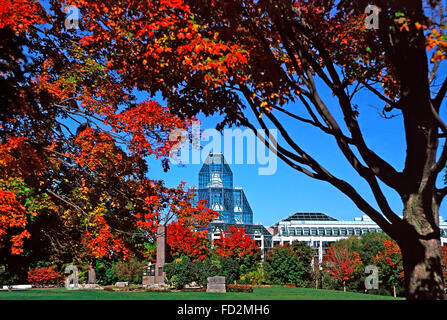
pixel 209 267
pixel 130 271
pixel 256 277
pixel 181 272
pixel 230 269
pixel 290 264
pixel 105 272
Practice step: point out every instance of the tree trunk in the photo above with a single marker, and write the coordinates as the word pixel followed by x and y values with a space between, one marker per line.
pixel 420 243
pixel 394 291
pixel 344 286
pixel 91 272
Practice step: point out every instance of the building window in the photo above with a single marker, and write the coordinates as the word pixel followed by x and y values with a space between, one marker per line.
pixel 306 231
pixel 372 230
pixel 299 231
pixel 350 231
pixel 321 231
pixel 358 232
pixel 313 231
pixel 364 230
pixel 336 231
pixel 329 231
pixel 292 231
pixel 343 232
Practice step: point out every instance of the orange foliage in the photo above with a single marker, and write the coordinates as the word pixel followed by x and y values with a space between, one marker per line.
pixel 13 220
pixel 235 243
pixel 341 263
pixel 184 241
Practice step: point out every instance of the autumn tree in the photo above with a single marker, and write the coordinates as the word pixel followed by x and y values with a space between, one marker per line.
pixel 188 235
pixel 74 141
pixel 236 244
pixel 342 264
pixel 444 263
pixel 269 63
pixel 259 63
pixel 389 263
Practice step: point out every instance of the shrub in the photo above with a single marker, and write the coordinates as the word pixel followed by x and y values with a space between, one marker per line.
pixel 290 264
pixel 105 272
pixel 209 267
pixel 256 277
pixel 131 271
pixel 181 272
pixel 229 269
pixel 239 288
pixel 45 276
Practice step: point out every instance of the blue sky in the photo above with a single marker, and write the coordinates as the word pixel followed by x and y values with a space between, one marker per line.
pixel 274 197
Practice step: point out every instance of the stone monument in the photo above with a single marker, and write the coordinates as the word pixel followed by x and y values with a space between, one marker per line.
pixel 154 274
pixel 216 284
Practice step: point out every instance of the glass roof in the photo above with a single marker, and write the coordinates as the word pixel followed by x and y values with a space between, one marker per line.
pixel 309 216
pixel 251 229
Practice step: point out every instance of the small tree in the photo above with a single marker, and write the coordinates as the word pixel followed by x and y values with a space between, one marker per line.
pixel 444 264
pixel 131 270
pixel 184 241
pixel 390 265
pixel 180 272
pixel 290 264
pixel 342 264
pixel 238 245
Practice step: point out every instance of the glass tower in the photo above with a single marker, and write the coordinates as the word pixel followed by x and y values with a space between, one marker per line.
pixel 216 186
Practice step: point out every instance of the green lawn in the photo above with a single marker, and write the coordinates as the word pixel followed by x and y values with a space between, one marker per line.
pixel 272 293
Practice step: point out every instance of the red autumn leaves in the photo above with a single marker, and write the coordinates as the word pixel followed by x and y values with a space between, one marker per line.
pixel 234 243
pixel 341 263
pixel 45 276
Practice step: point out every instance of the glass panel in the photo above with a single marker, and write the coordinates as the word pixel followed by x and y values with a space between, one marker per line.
pixel 358 232
pixel 350 231
pixel 299 231
pixel 306 231
pixel 313 231
pixel 328 231
pixel 343 232
pixel 336 231
pixel 321 231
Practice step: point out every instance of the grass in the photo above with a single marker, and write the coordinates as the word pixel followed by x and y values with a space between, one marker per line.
pixel 271 293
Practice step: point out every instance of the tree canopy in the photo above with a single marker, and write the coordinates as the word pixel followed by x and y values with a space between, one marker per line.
pixel 268 58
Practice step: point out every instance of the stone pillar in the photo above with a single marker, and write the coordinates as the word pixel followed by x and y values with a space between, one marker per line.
pixel 91 272
pixel 161 255
pixel 320 252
